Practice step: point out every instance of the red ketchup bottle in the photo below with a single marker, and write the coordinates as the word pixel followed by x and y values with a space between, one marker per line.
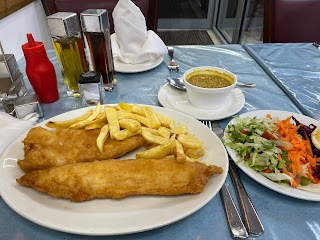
pixel 40 71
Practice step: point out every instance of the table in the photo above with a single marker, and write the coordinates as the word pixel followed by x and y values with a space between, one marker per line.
pixel 295 67
pixel 283 217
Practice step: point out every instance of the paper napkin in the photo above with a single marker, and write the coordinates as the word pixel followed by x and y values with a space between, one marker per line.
pixel 132 42
pixel 11 128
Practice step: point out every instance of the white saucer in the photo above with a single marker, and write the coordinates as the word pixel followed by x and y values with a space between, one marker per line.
pixel 175 99
pixel 135 68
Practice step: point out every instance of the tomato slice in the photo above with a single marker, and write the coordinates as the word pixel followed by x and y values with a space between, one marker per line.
pixel 268 136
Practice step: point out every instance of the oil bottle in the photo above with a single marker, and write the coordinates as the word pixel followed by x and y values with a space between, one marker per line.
pixel 69 47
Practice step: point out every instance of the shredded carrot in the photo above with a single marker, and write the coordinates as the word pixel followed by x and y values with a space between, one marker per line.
pixel 300 153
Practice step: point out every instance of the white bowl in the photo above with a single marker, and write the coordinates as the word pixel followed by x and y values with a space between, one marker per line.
pixel 208 98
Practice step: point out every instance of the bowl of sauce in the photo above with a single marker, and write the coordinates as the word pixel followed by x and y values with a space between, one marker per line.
pixel 209 87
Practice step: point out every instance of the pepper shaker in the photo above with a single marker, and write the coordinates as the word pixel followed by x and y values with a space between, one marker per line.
pixel 96 28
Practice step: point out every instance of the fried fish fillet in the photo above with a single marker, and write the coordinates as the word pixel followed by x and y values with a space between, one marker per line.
pixel 121 178
pixel 45 149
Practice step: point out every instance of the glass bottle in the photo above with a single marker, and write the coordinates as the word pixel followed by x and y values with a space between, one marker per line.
pixel 69 47
pixel 96 28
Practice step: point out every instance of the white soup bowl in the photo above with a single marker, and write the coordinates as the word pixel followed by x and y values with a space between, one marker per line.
pixel 209 98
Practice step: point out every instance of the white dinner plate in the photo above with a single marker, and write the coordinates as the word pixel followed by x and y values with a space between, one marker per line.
pixel 135 68
pixel 107 216
pixel 284 189
pixel 175 99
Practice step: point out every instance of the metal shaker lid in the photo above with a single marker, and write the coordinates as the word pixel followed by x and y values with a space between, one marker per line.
pixel 90 77
pixel 64 24
pixel 94 20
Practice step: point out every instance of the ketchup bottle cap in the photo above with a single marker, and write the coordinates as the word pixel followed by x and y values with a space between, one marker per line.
pixel 32 47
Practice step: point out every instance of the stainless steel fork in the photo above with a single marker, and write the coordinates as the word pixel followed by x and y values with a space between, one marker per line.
pixel 173 66
pixel 251 218
pixel 236 226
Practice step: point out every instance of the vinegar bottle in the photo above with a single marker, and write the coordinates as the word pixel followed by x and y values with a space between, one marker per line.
pixel 96 28
pixel 40 71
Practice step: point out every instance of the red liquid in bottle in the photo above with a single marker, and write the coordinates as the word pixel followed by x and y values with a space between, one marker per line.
pixel 40 71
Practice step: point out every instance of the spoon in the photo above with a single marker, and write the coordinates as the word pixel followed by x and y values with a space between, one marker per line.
pixel 178 83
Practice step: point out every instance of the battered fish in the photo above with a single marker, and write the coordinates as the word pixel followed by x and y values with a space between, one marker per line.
pixel 45 149
pixel 121 178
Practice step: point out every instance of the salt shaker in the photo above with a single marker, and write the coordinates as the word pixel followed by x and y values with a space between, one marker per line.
pixel 69 47
pixel 95 26
pixel 91 88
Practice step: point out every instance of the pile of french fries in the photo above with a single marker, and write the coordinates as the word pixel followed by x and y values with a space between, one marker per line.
pixel 165 139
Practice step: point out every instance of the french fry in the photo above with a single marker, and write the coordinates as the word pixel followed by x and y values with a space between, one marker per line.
pixel 151 145
pixel 149 137
pixel 125 106
pixel 137 110
pixel 194 152
pixel 68 123
pixel 151 130
pixel 181 129
pixel 189 141
pixel 117 108
pixel 130 124
pixel 171 156
pixel 159 151
pixel 143 120
pixel 164 120
pixel 112 118
pixel 191 159
pixel 88 120
pixel 181 157
pixel 125 115
pixel 103 135
pixel 164 132
pixel 92 126
pixel 125 133
pixel 154 121
pixel 101 118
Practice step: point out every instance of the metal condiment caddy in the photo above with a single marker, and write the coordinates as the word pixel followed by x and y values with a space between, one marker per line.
pixel 13 92
pixel 12 85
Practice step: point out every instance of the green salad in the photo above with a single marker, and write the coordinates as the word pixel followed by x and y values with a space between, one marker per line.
pixel 260 147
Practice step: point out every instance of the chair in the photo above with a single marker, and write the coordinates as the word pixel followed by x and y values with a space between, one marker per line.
pixel 291 21
pixel 149 8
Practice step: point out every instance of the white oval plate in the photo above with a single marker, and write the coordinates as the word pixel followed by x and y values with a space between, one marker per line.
pixel 283 189
pixel 175 99
pixel 106 216
pixel 135 68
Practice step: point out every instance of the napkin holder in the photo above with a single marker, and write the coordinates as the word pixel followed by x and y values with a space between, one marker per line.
pixel 11 81
pixel 27 104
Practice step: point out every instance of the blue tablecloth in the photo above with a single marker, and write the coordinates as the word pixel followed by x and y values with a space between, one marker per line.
pixel 283 217
pixel 295 67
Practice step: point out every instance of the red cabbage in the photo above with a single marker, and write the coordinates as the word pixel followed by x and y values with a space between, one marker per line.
pixel 305 132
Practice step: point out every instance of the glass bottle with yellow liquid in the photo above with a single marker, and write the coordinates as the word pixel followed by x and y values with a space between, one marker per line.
pixel 69 48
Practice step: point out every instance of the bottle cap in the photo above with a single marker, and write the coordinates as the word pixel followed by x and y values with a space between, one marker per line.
pixel 94 20
pixel 32 47
pixel 90 77
pixel 64 24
